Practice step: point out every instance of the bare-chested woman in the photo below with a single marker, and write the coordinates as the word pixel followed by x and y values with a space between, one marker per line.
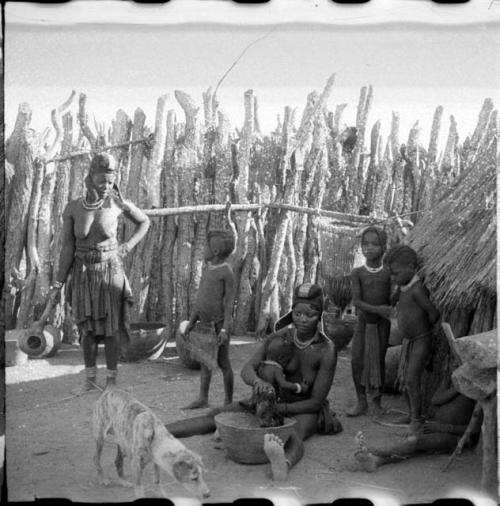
pixel 97 288
pixel 313 362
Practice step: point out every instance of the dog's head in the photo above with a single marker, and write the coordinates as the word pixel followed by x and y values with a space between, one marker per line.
pixel 188 470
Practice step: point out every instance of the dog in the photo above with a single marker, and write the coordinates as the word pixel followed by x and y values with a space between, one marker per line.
pixel 141 436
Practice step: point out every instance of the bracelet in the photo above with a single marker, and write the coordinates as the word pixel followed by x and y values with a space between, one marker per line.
pixel 299 388
pixel 57 284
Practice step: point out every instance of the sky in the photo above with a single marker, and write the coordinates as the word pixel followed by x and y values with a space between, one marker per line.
pixel 412 68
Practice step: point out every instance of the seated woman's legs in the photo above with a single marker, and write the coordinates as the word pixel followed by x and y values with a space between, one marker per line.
pixel 202 424
pixel 371 458
pixel 284 457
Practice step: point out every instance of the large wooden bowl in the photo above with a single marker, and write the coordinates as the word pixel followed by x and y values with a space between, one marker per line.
pixel 243 437
pixel 147 341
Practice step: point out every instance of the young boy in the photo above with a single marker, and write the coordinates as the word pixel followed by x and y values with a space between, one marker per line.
pixel 213 311
pixel 371 291
pixel 416 316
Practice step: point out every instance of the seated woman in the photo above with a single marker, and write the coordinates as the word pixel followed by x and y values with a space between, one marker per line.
pixel 313 362
pixel 441 434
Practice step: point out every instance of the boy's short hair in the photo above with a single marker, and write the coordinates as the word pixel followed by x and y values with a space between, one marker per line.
pixel 227 237
pixel 402 255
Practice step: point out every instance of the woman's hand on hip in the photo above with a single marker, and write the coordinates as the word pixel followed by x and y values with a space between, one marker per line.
pixel 123 250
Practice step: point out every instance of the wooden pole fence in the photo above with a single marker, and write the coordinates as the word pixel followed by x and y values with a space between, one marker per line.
pixel 348 219
pixel 75 154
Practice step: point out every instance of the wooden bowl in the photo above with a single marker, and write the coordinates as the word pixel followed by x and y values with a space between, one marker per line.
pixel 147 341
pixel 243 437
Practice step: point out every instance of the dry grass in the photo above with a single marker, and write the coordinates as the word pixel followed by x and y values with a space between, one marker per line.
pixel 457 239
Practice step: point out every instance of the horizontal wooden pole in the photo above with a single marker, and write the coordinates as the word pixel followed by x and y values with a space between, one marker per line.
pixel 76 154
pixel 346 219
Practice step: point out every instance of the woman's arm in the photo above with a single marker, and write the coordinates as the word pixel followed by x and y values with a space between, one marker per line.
pixel 68 246
pixel 320 387
pixel 134 214
pixel 249 371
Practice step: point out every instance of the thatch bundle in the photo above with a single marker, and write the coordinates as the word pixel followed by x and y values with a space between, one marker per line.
pixel 457 238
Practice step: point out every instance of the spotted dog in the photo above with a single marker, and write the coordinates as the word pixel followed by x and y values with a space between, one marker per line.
pixel 141 436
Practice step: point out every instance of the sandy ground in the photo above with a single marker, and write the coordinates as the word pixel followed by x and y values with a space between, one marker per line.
pixel 50 446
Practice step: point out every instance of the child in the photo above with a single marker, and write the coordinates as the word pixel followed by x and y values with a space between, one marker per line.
pixel 371 290
pixel 213 311
pixel 279 353
pixel 271 370
pixel 416 316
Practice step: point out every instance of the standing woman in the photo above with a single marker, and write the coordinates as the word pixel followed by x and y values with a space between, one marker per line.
pixel 97 288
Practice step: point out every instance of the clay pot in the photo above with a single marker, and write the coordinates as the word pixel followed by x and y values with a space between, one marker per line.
pixel 38 343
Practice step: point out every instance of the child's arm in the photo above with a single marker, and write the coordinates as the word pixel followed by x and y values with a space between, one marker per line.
pixel 421 295
pixel 359 303
pixel 228 300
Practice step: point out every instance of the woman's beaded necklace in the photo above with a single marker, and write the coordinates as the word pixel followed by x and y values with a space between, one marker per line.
pixel 374 270
pixel 302 345
pixel 92 206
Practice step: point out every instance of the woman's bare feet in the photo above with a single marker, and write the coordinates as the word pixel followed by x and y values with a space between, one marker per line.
pixel 367 461
pixel 199 403
pixel 275 451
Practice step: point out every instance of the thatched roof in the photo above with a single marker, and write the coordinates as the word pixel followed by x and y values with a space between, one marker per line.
pixel 457 239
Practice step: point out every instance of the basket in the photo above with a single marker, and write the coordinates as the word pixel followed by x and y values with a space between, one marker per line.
pixel 243 437
pixel 147 341
pixel 198 347
pixel 339 330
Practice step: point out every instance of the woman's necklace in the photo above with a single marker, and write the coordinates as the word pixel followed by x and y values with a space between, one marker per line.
pixel 92 206
pixel 374 269
pixel 302 345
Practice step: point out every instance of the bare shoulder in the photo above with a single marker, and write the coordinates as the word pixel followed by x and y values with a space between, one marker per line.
pixel 225 272
pixel 356 272
pixel 71 208
pixel 419 289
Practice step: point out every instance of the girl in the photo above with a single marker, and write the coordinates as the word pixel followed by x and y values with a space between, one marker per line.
pixel 371 290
